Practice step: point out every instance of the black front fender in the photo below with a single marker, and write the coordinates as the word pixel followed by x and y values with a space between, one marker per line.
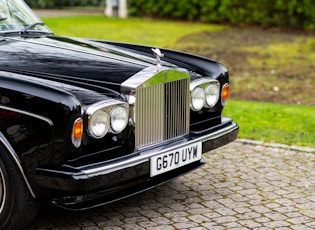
pixel 36 122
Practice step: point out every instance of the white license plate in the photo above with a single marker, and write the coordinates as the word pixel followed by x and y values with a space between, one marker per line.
pixel 174 159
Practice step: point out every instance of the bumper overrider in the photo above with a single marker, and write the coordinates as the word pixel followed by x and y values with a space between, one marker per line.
pixel 104 182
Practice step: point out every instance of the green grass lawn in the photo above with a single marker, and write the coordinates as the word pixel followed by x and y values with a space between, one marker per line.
pixel 134 30
pixel 269 122
pixel 287 124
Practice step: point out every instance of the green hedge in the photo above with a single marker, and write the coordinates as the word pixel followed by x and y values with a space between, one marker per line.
pixel 62 3
pixel 286 13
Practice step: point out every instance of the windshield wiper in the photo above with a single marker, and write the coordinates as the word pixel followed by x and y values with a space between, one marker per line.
pixel 31 26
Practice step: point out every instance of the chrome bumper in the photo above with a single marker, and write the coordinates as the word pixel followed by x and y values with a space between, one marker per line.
pixel 220 138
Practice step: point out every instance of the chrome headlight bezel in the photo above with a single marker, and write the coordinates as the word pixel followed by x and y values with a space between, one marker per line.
pixel 211 89
pixel 102 113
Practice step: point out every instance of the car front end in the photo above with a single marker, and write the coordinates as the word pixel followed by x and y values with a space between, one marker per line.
pixel 158 130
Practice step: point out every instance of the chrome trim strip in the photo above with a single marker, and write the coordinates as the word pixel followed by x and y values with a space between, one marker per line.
pixel 145 156
pixel 3 191
pixel 143 78
pixel 104 104
pixel 14 156
pixel 202 81
pixel 28 114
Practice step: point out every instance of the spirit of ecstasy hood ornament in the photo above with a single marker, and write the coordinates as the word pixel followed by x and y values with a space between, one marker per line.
pixel 157 53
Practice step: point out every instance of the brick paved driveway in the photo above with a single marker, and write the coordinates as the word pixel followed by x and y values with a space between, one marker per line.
pixel 243 186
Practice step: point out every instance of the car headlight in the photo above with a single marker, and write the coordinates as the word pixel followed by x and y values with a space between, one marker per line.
pixel 212 94
pixel 119 119
pixel 99 124
pixel 198 98
pixel 108 116
pixel 204 92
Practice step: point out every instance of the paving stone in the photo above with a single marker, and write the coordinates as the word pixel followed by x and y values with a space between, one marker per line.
pixel 260 209
pixel 292 214
pixel 214 227
pixel 110 223
pixel 132 227
pixel 212 204
pixel 175 214
pixel 250 224
pixel 310 213
pixel 242 210
pixel 180 219
pixel 239 228
pixel 161 227
pixel 248 215
pixel 299 220
pixel 275 216
pixel 150 213
pixel 148 224
pixel 286 209
pixel 199 219
pixel 301 227
pixel 161 221
pixel 239 205
pixel 225 211
pixel 262 219
pixel 109 228
pixel 311 224
pixel 212 215
pixel 276 224
pixel 187 225
pixel 199 211
pixel 225 219
pixel 230 225
pixel 273 205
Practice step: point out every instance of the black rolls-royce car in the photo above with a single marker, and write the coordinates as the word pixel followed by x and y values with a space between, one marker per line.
pixel 86 122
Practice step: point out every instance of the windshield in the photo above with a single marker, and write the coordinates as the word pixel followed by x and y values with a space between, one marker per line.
pixel 15 15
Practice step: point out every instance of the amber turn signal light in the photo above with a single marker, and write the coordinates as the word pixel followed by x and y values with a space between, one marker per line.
pixel 225 94
pixel 78 128
pixel 77 132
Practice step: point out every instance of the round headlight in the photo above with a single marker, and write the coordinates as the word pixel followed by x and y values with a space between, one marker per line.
pixel 212 94
pixel 99 124
pixel 198 97
pixel 119 119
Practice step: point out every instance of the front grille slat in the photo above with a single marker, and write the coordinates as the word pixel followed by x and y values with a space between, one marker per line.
pixel 162 112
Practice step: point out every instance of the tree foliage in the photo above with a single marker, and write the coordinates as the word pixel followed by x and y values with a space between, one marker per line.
pixel 287 13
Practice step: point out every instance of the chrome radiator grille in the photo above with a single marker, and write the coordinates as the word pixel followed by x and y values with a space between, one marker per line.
pixel 162 112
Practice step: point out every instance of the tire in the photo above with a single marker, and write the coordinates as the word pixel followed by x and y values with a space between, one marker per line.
pixel 17 206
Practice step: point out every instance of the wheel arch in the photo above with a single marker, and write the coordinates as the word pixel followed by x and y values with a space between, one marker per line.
pixel 12 154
